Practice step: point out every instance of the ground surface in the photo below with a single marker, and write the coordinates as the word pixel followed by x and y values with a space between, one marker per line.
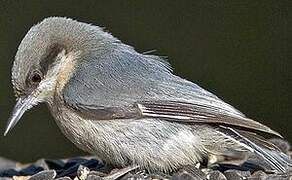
pixel 91 168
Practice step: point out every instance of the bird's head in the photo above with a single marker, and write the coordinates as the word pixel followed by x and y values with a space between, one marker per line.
pixel 46 58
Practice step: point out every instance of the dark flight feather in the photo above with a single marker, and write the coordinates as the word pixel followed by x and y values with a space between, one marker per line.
pixel 185 112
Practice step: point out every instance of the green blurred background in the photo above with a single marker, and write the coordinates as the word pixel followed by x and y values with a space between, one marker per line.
pixel 239 50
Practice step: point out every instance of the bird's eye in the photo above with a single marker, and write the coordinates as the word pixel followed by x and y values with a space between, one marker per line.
pixel 36 77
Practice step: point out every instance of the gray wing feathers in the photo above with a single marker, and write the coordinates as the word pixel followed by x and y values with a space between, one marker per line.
pixel 119 77
pixel 185 112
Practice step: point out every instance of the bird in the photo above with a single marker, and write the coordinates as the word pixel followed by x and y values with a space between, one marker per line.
pixel 129 108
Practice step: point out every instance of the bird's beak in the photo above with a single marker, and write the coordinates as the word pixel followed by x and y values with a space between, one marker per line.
pixel 23 104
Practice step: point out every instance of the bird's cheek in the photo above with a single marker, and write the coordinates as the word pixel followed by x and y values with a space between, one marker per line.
pixel 45 90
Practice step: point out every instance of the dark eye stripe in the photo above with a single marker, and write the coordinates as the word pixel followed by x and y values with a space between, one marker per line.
pixel 49 57
pixel 32 80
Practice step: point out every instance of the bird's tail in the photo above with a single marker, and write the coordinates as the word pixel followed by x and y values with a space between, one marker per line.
pixel 272 155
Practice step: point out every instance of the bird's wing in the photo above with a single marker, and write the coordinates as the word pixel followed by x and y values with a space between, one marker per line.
pixel 110 85
pixel 184 112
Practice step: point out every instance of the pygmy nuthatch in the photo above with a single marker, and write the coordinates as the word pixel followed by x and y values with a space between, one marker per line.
pixel 127 107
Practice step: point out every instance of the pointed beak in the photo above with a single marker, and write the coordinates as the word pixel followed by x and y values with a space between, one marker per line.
pixel 23 104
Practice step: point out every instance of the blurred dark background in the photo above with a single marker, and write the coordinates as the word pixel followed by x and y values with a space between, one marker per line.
pixel 239 50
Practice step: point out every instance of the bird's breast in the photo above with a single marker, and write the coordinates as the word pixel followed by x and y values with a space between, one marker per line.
pixel 127 141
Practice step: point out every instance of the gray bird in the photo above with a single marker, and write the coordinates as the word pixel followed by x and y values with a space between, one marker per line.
pixel 126 107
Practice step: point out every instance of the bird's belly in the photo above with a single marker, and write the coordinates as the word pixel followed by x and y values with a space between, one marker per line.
pixel 150 143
